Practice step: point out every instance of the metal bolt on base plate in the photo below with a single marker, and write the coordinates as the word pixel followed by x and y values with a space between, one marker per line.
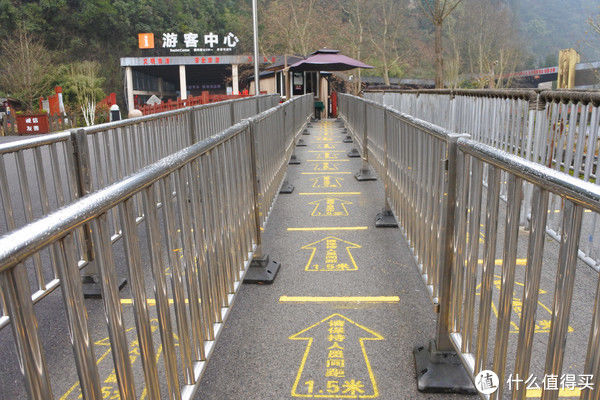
pixel 286 188
pixel 92 288
pixel 385 219
pixel 365 174
pixel 441 372
pixel 262 271
pixel 353 153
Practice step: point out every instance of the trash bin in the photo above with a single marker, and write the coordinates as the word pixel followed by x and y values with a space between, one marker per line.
pixel 319 107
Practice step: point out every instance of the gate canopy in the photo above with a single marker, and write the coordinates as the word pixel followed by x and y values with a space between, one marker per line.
pixel 327 60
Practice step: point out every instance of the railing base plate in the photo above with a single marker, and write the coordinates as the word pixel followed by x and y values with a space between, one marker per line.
pixel 294 160
pixel 92 288
pixel 385 219
pixel 286 188
pixel 306 132
pixel 348 139
pixel 441 372
pixel 262 271
pixel 365 174
pixel 353 153
pixel 301 143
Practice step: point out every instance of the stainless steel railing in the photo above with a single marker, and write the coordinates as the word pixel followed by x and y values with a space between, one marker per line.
pixel 558 129
pixel 202 208
pixel 41 174
pixel 456 227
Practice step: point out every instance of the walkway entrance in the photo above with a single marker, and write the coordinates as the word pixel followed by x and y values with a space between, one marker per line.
pixel 328 326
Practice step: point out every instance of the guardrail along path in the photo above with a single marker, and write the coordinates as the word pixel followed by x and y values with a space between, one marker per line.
pixel 347 306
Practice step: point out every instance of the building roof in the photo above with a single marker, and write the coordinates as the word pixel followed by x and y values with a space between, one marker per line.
pixel 328 60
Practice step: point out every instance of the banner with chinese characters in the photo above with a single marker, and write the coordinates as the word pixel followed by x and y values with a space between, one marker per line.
pixel 189 43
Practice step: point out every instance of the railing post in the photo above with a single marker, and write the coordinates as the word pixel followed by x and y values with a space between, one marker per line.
pixel 232 112
pixel 286 186
pixel 438 366
pixel 17 295
pixel 536 119
pixel 297 121
pixel 365 173
pixel 295 112
pixel 81 172
pixel 386 219
pixel 261 269
pixel 193 130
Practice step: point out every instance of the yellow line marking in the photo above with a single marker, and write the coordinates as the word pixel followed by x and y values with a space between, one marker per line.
pixel 575 392
pixel 499 261
pixel 325 173
pixel 327 193
pixel 331 228
pixel 150 302
pixel 330 160
pixel 558 211
pixel 339 299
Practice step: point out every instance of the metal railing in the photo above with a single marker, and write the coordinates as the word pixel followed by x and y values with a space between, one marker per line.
pixel 204 207
pixel 39 175
pixel 558 129
pixel 434 182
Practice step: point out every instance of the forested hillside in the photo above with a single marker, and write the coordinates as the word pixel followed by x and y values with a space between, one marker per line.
pixel 481 38
pixel 551 25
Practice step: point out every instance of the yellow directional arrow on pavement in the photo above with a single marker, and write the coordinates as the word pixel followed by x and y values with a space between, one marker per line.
pixel 328 256
pixel 326 155
pixel 329 146
pixel 335 362
pixel 327 181
pixel 326 166
pixel 330 207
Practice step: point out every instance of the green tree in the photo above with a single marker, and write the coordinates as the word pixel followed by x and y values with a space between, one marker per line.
pixel 84 88
pixel 25 64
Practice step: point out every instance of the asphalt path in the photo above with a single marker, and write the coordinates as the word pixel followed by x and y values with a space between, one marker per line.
pixel 262 352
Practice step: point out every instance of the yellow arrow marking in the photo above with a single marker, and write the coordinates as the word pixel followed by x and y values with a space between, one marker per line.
pixel 109 388
pixel 541 326
pixel 326 155
pixel 331 260
pixel 335 337
pixel 330 207
pixel 328 146
pixel 326 166
pixel 327 182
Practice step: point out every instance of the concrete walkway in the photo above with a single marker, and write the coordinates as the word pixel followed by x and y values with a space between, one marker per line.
pixel 348 305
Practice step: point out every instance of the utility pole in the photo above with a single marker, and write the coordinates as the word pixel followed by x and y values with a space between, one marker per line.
pixel 255 27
